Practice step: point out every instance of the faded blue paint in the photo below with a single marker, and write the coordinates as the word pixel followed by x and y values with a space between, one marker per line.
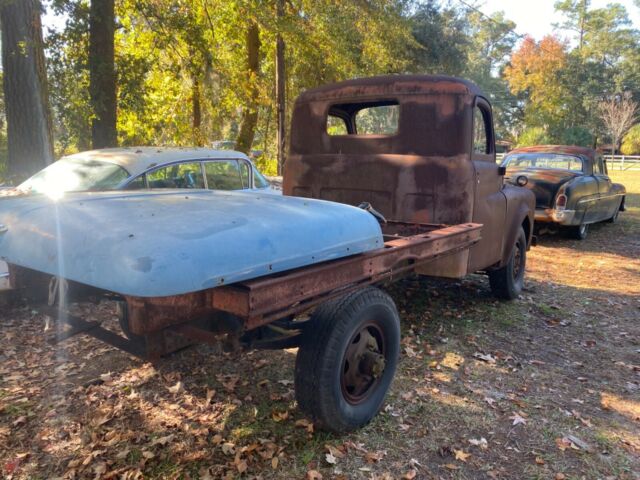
pixel 161 243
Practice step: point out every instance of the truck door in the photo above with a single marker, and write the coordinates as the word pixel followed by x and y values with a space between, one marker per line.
pixel 490 203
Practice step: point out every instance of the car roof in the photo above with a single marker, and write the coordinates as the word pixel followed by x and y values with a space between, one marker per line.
pixel 137 160
pixel 589 153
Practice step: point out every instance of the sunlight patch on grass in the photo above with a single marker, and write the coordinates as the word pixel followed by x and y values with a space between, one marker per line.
pixel 628 408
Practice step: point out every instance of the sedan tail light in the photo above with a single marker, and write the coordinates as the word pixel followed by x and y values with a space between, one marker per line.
pixel 561 201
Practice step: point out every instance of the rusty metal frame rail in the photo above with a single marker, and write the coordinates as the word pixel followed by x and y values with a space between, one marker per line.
pixel 93 329
pixel 263 300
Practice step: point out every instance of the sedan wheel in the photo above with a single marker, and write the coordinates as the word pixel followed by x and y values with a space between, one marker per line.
pixel 580 232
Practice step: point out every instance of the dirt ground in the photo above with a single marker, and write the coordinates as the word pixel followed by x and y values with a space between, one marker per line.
pixel 545 387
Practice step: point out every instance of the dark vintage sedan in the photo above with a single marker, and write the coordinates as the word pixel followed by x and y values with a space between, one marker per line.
pixel 571 185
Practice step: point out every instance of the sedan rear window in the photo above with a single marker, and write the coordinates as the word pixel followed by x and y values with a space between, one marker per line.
pixel 544 160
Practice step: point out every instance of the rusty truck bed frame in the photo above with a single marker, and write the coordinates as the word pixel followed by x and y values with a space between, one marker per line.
pixel 264 300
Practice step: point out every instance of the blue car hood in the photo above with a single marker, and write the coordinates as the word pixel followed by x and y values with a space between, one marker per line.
pixel 154 244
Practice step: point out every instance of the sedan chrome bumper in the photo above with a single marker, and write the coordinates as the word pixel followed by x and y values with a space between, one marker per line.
pixel 563 217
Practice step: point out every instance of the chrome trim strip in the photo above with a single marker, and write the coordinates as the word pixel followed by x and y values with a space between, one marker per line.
pixel 586 200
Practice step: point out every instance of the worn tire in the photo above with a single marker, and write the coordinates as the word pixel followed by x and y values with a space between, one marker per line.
pixel 579 232
pixel 322 361
pixel 507 282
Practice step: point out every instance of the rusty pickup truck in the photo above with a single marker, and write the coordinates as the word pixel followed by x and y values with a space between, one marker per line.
pixel 415 153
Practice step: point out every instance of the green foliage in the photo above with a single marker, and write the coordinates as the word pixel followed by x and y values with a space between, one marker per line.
pixel 631 141
pixel 577 136
pixel 533 136
pixel 183 76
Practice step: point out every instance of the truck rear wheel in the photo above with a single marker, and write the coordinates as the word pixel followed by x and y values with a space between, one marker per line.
pixel 507 282
pixel 347 360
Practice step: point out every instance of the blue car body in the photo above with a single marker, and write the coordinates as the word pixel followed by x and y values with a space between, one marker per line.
pixel 171 242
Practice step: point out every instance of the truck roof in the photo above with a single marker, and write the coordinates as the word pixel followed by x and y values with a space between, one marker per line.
pixel 392 85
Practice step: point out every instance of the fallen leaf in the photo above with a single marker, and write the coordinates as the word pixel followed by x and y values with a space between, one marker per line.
pixel 228 448
pixel 274 462
pixel 451 466
pixel 410 475
pixel 539 461
pixel 242 466
pixel 20 421
pixel 210 395
pixel 374 457
pixel 485 357
pixel 177 388
pixel 518 419
pixel 331 459
pixel 580 444
pixel 304 423
pixel 482 443
pixel 314 475
pixel 148 454
pixel 162 440
pixel 461 455
pixel 563 443
pixel 279 416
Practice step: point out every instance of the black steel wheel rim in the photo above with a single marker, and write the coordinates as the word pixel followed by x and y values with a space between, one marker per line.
pixel 517 260
pixel 363 363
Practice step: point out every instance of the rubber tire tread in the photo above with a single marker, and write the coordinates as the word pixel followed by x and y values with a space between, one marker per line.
pixel 501 279
pixel 329 323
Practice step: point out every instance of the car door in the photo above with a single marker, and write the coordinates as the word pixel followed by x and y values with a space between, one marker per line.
pixel 180 175
pixel 606 202
pixel 225 174
pixel 490 203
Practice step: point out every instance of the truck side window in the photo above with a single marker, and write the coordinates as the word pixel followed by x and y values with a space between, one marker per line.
pixel 336 126
pixel 480 133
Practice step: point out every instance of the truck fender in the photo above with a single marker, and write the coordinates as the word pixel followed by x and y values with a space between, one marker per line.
pixel 520 213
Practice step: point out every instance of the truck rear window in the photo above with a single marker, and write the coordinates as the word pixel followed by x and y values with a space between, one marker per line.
pixel 379 118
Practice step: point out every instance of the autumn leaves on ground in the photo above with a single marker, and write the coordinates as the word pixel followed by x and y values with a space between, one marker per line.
pixel 544 387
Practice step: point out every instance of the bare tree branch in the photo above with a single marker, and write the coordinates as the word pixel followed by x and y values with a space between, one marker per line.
pixel 618 114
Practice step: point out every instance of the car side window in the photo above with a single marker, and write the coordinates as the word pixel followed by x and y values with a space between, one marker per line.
pixel 598 166
pixel 480 134
pixel 223 175
pixel 245 174
pixel 137 184
pixel 178 175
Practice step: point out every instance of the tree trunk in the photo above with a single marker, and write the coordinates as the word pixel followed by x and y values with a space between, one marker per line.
pixel 29 131
pixel 196 111
pixel 102 73
pixel 250 114
pixel 280 92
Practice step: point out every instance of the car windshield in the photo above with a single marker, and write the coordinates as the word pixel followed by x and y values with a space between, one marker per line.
pixel 544 160
pixel 76 175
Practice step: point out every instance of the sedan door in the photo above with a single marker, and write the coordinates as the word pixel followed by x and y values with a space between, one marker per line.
pixel 607 200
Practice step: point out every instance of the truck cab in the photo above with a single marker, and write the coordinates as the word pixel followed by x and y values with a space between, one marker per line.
pixel 421 149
